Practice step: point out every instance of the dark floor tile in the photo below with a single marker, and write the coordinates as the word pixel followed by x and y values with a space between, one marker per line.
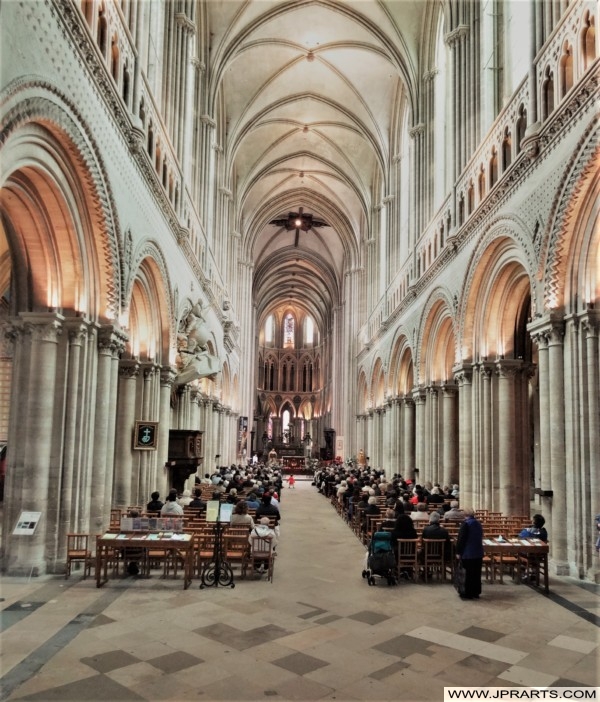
pixel 300 663
pixel 328 619
pixel 403 646
pixel 486 665
pixel 100 620
pixel 368 617
pixel 241 640
pixel 388 670
pixel 174 662
pixel 99 688
pixel 112 660
pixel 313 613
pixel 565 682
pixel 477 632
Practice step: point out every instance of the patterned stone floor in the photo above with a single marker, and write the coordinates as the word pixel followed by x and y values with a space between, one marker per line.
pixel 318 632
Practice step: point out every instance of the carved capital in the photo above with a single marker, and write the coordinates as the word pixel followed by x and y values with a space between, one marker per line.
pixel 129 369
pixel 43 327
pixel 167 376
pixel 417 131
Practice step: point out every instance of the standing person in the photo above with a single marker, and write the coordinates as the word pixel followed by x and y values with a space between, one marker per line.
pixel 291 482
pixel 469 548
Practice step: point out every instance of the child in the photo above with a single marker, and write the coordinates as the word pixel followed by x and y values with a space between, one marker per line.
pixel 291 481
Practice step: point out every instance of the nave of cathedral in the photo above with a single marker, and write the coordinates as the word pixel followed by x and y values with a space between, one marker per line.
pixel 306 227
pixel 317 632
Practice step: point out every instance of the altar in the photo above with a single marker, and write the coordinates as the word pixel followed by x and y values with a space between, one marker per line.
pixel 295 465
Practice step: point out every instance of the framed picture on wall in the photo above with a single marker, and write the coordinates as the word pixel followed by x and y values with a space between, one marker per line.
pixel 145 437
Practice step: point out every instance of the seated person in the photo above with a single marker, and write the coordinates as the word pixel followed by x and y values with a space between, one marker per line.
pixel 454 513
pixel 536 530
pixel 171 508
pixel 434 531
pixel 266 509
pixel 390 519
pixel 197 502
pixel 264 531
pixel 155 504
pixel 240 516
pixel 421 515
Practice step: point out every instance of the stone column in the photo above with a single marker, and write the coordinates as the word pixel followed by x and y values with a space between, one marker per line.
pixel 449 435
pixel 31 458
pixel 69 513
pixel 433 435
pixel 111 342
pixel 463 376
pixel 167 377
pixel 409 438
pixel 507 417
pixel 128 373
pixel 488 494
pixel 589 326
pixel 557 447
pixel 421 469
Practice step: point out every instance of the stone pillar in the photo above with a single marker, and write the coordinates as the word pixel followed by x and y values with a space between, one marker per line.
pixel 167 377
pixel 463 376
pixel 70 513
pixel 409 438
pixel 557 447
pixel 30 474
pixel 449 435
pixel 434 435
pixel 128 373
pixel 111 343
pixel 508 415
pixel 421 470
pixel 488 497
pixel 589 326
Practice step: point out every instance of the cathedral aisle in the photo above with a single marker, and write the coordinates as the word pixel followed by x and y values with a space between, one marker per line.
pixel 317 632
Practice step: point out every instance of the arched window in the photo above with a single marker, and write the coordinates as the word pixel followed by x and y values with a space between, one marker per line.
pixel 289 327
pixel 547 93
pixel 87 7
pixel 285 425
pixel 588 41
pixel 566 70
pixel 308 331
pixel 506 150
pixel 461 210
pixel 126 85
pixel 284 377
pixel 269 329
pixel 521 126
pixel 442 235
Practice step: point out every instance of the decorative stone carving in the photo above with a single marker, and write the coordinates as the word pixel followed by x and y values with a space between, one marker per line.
pixel 193 337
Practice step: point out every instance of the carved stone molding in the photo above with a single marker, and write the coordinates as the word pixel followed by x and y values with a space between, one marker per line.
pixel 129 369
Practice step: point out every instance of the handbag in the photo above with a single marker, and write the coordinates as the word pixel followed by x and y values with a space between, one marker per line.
pixel 460 575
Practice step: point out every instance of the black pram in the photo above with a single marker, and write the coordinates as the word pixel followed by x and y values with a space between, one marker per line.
pixel 380 559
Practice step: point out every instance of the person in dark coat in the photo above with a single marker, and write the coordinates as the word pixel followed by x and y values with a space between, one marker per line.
pixel 469 548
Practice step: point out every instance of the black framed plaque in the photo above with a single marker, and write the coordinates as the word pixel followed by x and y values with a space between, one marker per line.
pixel 145 436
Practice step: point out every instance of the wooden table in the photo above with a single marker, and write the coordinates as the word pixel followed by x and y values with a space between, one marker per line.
pixel 533 550
pixel 110 547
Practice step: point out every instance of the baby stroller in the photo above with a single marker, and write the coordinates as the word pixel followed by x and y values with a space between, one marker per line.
pixel 380 559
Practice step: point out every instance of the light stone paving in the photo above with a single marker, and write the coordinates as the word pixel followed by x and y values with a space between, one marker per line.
pixel 318 632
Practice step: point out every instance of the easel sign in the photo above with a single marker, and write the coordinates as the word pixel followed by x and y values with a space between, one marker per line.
pixel 27 523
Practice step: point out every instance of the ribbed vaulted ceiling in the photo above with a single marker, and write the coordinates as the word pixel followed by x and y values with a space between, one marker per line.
pixel 311 93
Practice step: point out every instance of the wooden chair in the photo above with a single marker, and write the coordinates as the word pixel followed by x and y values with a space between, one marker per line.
pixel 261 552
pixel 78 552
pixel 408 557
pixel 236 548
pixel 434 559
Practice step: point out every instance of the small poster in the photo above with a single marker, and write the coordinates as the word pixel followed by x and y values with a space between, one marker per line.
pixel 27 523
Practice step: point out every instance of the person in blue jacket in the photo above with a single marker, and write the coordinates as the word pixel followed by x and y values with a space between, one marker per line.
pixel 469 548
